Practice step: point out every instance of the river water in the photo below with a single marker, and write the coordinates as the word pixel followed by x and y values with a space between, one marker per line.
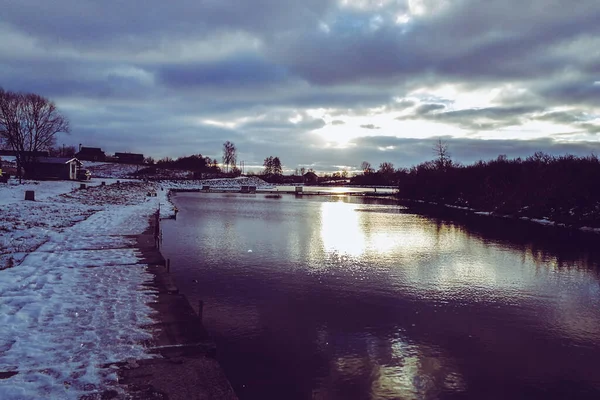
pixel 349 298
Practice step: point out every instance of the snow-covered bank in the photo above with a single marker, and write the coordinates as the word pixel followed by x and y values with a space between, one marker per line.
pixel 222 183
pixel 539 221
pixel 72 299
pixel 233 184
pixel 71 282
pixel 13 192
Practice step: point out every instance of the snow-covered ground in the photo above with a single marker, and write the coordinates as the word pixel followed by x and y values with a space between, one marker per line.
pixel 13 192
pixel 110 170
pixel 223 183
pixel 72 299
pixel 116 170
pixel 71 282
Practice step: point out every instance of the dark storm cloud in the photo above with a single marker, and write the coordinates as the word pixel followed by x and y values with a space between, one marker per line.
pixel 471 40
pixel 114 23
pixel 240 71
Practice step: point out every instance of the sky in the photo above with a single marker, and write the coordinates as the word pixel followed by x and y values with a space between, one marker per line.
pixel 322 84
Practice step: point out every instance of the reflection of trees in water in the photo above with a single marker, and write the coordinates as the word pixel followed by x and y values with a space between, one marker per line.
pixel 390 368
pixel 544 246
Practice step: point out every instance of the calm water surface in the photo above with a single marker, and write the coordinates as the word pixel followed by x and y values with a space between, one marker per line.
pixel 349 298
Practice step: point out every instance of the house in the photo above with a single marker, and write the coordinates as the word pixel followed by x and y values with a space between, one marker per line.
pixel 53 168
pixel 310 178
pixel 129 158
pixel 90 154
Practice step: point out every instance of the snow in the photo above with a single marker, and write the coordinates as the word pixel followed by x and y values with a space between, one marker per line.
pixel 233 184
pixel 72 299
pixel 540 221
pixel 12 191
pixel 111 170
pixel 72 282
pixel 223 183
pixel 72 291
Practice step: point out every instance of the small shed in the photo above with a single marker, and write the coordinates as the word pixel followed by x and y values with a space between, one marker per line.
pixel 53 168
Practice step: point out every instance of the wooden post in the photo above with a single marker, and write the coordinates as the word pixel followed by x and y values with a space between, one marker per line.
pixel 157 229
pixel 200 309
pixel 30 195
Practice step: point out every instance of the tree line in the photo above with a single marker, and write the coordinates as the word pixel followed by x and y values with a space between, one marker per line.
pixel 563 189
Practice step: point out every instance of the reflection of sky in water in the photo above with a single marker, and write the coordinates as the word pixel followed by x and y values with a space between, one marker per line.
pixel 441 263
pixel 387 304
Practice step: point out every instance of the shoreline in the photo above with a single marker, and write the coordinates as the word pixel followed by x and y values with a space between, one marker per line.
pixel 185 366
pixel 85 285
pixel 544 223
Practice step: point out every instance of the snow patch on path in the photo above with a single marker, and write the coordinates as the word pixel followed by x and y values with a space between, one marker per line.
pixel 77 301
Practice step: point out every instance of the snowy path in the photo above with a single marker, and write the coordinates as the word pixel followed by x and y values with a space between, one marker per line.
pixel 76 302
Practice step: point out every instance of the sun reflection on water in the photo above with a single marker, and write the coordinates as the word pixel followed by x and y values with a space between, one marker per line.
pixel 340 229
pixel 352 230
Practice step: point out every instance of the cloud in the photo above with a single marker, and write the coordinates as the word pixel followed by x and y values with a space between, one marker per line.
pixel 572 92
pixel 241 71
pixel 370 126
pixel 474 119
pixel 117 24
pixel 271 72
pixel 428 108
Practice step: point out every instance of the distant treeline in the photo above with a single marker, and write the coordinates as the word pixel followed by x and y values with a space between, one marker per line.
pixel 195 163
pixel 564 189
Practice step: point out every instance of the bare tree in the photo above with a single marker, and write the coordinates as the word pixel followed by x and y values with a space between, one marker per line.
pixel 29 124
pixel 442 160
pixel 366 167
pixel 386 168
pixel 229 154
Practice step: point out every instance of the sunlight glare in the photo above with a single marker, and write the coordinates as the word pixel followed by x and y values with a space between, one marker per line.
pixel 340 229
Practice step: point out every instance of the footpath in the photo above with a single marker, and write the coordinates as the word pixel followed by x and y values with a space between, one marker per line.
pixel 91 312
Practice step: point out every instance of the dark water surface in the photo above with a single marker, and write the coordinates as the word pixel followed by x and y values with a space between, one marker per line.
pixel 349 298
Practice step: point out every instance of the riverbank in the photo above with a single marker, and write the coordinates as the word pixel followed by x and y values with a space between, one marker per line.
pixel 81 294
pixel 186 367
pixel 453 209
